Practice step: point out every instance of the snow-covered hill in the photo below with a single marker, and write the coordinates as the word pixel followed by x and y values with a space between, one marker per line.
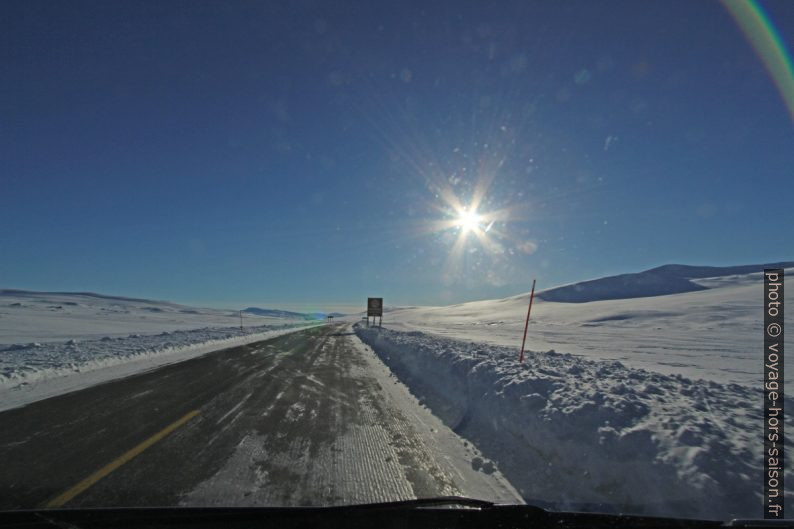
pixel 59 316
pixel 660 281
pixel 714 333
pixel 610 411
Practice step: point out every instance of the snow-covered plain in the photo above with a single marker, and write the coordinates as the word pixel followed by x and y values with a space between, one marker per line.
pixel 27 317
pixel 715 334
pixel 52 343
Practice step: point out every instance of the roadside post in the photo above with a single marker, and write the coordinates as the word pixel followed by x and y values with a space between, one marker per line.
pixel 375 309
pixel 526 325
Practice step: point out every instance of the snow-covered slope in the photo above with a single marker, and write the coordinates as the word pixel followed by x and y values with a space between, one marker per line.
pixel 714 333
pixel 660 281
pixel 637 404
pixel 52 316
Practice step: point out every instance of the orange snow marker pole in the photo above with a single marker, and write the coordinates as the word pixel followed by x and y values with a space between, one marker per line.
pixel 526 325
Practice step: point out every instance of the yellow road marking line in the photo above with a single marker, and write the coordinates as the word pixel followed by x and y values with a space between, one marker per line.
pixel 80 487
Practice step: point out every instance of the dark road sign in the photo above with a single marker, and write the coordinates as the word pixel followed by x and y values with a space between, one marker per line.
pixel 375 307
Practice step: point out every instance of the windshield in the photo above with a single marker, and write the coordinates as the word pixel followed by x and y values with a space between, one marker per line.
pixel 330 253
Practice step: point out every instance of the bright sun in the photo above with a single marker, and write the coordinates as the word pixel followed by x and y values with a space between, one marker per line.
pixel 468 220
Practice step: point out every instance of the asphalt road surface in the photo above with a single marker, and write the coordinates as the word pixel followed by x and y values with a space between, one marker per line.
pixel 309 418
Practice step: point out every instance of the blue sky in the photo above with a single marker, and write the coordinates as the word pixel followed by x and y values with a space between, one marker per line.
pixel 303 155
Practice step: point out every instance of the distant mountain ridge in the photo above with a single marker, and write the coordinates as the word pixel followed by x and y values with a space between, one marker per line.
pixel 169 305
pixel 276 313
pixel 18 292
pixel 659 281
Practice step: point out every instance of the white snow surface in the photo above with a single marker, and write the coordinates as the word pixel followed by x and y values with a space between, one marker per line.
pixel 578 434
pixel 647 405
pixel 27 317
pixel 54 343
pixel 714 334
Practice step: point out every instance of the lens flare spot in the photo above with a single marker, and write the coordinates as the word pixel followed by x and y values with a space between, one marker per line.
pixel 468 220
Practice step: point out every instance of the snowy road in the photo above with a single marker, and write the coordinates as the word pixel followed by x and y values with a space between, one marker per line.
pixel 310 418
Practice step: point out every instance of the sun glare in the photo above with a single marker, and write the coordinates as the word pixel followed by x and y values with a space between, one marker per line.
pixel 468 220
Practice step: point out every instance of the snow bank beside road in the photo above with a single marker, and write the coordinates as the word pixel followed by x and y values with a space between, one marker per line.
pixel 34 371
pixel 574 433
